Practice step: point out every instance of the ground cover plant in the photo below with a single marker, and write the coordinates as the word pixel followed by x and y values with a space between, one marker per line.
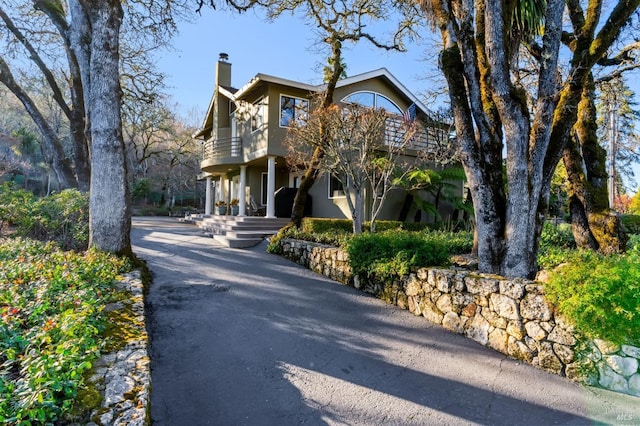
pixel 600 294
pixel 51 307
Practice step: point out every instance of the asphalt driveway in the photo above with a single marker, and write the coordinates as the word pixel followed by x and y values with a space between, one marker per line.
pixel 242 337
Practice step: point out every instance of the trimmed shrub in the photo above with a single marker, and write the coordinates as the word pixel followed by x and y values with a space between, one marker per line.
pixel 455 242
pixel 393 253
pixel 313 225
pixel 322 225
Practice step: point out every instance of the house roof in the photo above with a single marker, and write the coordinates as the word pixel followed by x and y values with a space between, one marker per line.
pixel 259 78
pixel 235 94
pixel 382 72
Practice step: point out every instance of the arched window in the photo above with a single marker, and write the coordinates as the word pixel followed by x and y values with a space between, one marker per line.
pixel 372 100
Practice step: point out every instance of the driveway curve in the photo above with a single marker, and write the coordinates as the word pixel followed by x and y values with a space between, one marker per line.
pixel 242 337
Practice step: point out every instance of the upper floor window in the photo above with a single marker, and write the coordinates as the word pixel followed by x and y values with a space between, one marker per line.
pixel 293 110
pixel 372 100
pixel 257 117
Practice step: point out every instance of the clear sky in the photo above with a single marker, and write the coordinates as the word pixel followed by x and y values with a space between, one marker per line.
pixel 285 48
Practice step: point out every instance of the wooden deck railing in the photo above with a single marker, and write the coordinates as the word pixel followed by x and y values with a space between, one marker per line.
pixel 222 148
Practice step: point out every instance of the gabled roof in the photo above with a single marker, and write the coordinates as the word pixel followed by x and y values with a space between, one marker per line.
pixel 235 94
pixel 382 72
pixel 276 80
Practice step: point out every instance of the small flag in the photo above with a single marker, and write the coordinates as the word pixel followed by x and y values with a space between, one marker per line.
pixel 410 114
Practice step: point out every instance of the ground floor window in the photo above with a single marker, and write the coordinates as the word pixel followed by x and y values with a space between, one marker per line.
pixel 336 189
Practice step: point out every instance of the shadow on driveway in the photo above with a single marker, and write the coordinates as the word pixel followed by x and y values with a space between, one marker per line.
pixel 242 337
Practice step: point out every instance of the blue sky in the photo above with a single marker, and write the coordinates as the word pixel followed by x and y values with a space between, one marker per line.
pixel 285 48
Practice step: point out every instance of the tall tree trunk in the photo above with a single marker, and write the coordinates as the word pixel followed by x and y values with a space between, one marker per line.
pixel 109 206
pixel 76 37
pixel 594 225
pixel 311 174
pixel 485 103
pixel 480 154
pixel 52 145
pixel 75 113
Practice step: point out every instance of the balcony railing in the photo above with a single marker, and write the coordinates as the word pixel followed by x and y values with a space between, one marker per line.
pixel 222 149
pixel 422 138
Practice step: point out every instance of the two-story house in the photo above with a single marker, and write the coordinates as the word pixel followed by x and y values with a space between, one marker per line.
pixel 244 130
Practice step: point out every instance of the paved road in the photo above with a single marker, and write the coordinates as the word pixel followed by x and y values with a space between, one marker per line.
pixel 241 337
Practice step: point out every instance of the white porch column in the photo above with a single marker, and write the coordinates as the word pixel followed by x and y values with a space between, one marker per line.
pixel 222 193
pixel 242 205
pixel 208 197
pixel 271 186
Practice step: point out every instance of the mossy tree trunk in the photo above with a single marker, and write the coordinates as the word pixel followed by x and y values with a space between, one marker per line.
pixel 489 107
pixel 594 225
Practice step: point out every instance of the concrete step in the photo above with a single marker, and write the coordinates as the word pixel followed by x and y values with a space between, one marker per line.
pixel 257 233
pixel 237 242
pixel 241 231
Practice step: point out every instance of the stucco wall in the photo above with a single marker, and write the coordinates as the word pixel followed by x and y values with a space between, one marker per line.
pixel 511 316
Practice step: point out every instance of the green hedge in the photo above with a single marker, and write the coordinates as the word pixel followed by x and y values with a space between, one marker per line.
pixel 392 253
pixel 314 225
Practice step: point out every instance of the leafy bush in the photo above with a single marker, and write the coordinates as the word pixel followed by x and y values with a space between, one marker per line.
pixel 15 205
pixel 391 253
pixel 337 239
pixel 51 311
pixel 557 245
pixel 631 223
pixel 313 225
pixel 61 217
pixel 152 211
pixel 600 294
pixel 559 235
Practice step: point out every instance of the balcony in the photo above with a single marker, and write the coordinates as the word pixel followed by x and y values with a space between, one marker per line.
pixel 423 139
pixel 222 151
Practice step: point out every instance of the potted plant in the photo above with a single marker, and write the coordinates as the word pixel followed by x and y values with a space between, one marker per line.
pixel 235 208
pixel 221 207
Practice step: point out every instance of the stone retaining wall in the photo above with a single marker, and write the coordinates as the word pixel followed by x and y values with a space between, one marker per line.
pixel 123 377
pixel 511 316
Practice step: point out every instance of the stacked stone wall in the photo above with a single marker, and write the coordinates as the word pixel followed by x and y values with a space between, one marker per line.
pixel 511 316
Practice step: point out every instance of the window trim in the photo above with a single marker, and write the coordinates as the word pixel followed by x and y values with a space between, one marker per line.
pixel 297 98
pixel 257 105
pixel 375 100
pixel 330 195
